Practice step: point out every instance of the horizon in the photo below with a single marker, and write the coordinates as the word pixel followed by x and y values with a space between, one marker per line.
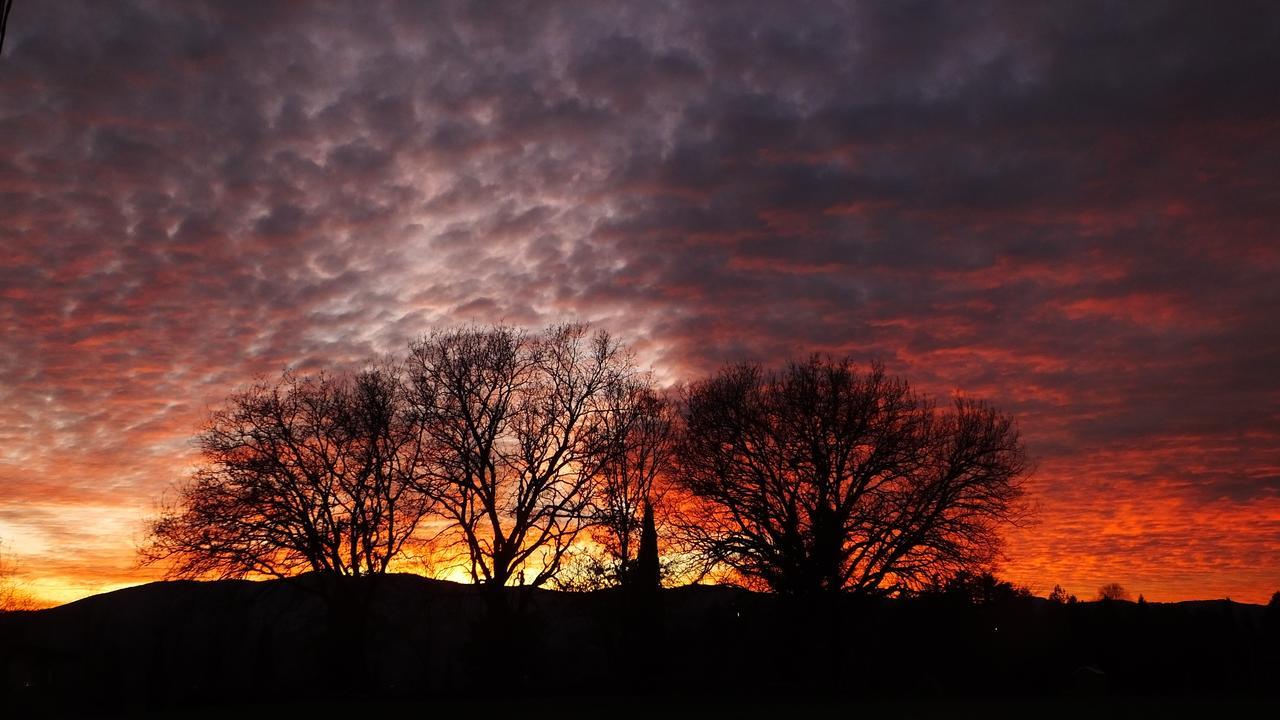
pixel 1091 599
pixel 1068 211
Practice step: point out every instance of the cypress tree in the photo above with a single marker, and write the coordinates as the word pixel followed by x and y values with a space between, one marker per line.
pixel 646 572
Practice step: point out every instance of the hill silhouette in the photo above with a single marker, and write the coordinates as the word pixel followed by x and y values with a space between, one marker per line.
pixel 189 644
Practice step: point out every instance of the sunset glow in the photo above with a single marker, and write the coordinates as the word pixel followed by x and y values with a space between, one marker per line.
pixel 1071 211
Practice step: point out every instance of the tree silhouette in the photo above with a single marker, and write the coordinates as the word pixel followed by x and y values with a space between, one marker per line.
pixel 316 473
pixel 1058 595
pixel 1113 591
pixel 12 596
pixel 646 572
pixel 516 423
pixel 981 588
pixel 641 426
pixel 820 477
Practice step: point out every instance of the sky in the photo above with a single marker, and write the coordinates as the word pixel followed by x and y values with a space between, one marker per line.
pixel 1069 209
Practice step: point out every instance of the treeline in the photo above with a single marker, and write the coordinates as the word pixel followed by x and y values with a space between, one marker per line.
pixel 534 458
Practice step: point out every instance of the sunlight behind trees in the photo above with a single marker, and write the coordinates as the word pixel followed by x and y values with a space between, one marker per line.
pixel 12 596
pixel 317 473
pixel 822 477
pixel 504 455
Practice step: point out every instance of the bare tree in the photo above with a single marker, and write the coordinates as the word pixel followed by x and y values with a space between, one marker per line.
pixel 318 473
pixel 820 477
pixel 1113 591
pixel 641 425
pixel 517 427
pixel 12 597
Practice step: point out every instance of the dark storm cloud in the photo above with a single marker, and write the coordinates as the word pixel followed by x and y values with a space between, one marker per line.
pixel 1067 208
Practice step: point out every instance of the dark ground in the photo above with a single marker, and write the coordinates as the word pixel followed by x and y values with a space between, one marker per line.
pixel 907 709
pixel 706 708
pixel 415 647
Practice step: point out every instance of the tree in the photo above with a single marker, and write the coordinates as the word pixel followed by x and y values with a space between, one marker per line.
pixel 518 433
pixel 1058 595
pixel 645 574
pixel 981 588
pixel 315 473
pixel 820 478
pixel 1113 591
pixel 12 596
pixel 641 426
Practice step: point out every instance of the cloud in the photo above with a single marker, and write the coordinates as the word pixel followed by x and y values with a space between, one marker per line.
pixel 1067 209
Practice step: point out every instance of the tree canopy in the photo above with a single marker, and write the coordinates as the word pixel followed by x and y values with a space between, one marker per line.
pixel 319 473
pixel 823 477
pixel 519 429
pixel 506 449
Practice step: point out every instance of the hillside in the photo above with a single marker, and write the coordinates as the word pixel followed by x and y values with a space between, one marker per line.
pixel 190 644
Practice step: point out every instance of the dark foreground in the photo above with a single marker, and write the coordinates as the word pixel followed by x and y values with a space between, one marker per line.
pixel 905 709
pixel 569 708
pixel 411 646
